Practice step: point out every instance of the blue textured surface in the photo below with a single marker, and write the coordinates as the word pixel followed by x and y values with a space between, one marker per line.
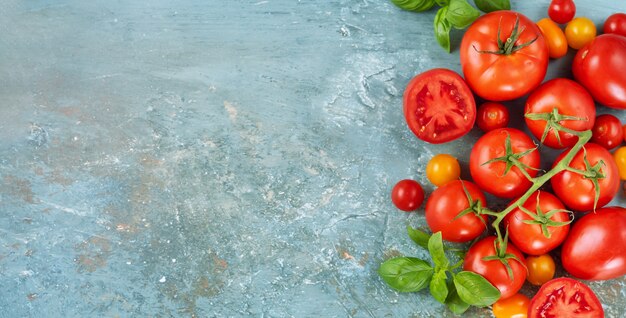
pixel 215 158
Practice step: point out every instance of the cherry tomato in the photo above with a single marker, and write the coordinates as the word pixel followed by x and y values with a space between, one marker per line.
pixel 595 249
pixel 515 306
pixel 496 72
pixel 570 100
pixel 565 297
pixel 491 116
pixel 494 270
pixel 541 269
pixel 579 32
pixel 442 168
pixel 624 130
pixel 407 195
pixel 537 239
pixel 557 44
pixel 561 11
pixel 600 66
pixel 579 192
pixel 607 131
pixel 493 176
pixel 616 24
pixel 445 204
pixel 620 160
pixel 439 106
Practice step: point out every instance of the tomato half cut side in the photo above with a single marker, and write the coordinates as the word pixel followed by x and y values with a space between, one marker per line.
pixel 439 106
pixel 565 297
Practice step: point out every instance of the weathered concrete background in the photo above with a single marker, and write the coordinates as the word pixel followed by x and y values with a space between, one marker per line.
pixel 215 158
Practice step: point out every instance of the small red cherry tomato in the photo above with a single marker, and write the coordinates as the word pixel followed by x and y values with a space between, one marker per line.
pixel 607 131
pixel 562 11
pixel 616 24
pixel 491 116
pixel 407 195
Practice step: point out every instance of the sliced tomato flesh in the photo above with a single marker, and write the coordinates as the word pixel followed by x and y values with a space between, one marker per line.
pixel 565 297
pixel 439 106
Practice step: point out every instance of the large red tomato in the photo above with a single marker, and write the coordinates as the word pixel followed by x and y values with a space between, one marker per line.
pixel 549 231
pixel 559 101
pixel 565 297
pixel 599 66
pixel 439 106
pixel 595 249
pixel 493 269
pixel 503 55
pixel 447 202
pixel 577 191
pixel 491 166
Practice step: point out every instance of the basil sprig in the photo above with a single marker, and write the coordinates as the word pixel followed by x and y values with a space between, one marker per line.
pixel 457 290
pixel 458 14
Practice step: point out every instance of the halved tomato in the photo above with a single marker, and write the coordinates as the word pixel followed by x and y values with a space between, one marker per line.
pixel 565 297
pixel 439 106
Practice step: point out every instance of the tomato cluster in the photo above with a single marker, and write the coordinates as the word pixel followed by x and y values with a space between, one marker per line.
pixel 505 56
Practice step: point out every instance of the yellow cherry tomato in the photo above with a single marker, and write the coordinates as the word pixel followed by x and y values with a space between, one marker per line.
pixel 442 168
pixel 515 306
pixel 540 269
pixel 620 159
pixel 579 32
pixel 557 43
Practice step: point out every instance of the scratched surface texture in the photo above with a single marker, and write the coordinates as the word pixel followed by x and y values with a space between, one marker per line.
pixel 216 158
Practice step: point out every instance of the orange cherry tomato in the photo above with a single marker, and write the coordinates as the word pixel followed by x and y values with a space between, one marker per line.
pixel 620 159
pixel 557 43
pixel 515 306
pixel 540 269
pixel 579 32
pixel 442 168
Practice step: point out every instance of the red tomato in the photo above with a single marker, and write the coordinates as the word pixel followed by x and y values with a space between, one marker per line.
pixel 494 270
pixel 577 191
pixel 500 71
pixel 595 249
pixel 562 11
pixel 407 195
pixel 446 202
pixel 439 106
pixel 599 66
pixel 607 131
pixel 530 238
pixel 570 99
pixel 493 177
pixel 616 24
pixel 491 116
pixel 565 297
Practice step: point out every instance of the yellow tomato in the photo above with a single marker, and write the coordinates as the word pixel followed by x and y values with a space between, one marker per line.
pixel 515 306
pixel 540 269
pixel 554 36
pixel 443 168
pixel 620 159
pixel 579 32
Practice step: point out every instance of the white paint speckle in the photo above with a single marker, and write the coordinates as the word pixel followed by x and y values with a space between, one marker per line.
pixel 173 260
pixel 162 280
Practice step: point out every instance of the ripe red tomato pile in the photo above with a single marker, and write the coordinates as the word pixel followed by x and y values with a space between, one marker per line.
pixel 504 56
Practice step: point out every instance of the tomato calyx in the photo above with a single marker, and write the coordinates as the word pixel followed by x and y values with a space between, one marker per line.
pixel 544 219
pixel 475 206
pixel 593 174
pixel 553 123
pixel 512 159
pixel 501 255
pixel 508 46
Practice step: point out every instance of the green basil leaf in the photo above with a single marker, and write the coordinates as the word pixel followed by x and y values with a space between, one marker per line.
pixel 454 302
pixel 406 274
pixel 475 289
pixel 419 237
pixel 435 247
pixel 492 5
pixel 439 287
pixel 461 14
pixel 442 29
pixel 442 3
pixel 414 5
